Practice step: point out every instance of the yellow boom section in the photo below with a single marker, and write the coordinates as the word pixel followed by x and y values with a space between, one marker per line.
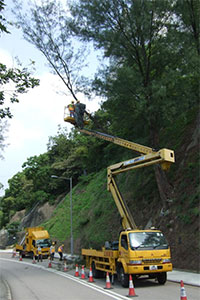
pixel 164 157
pixel 121 142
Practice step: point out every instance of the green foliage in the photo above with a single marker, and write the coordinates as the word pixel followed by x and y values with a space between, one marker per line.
pixel 13 227
pixel 2 19
pixel 37 169
pixel 1 218
pixel 22 80
pixel 148 76
pixel 88 201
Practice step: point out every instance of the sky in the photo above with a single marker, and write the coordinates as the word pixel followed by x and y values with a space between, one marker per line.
pixel 37 116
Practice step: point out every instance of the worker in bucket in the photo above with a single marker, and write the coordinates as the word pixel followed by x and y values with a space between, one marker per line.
pixel 71 108
pixel 60 252
pixel 52 251
pixel 79 114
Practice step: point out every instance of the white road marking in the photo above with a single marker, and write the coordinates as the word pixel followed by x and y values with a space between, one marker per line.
pixel 69 276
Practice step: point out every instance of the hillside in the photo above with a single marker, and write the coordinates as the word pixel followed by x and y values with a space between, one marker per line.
pixel 95 216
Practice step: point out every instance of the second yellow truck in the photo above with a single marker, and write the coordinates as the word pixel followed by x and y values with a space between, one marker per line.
pixel 34 237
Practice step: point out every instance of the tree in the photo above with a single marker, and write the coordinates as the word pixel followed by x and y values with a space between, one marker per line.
pixel 38 170
pixel 45 26
pixel 149 75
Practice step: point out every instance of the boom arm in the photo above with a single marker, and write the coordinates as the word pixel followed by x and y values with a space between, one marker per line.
pixel 110 138
pixel 164 157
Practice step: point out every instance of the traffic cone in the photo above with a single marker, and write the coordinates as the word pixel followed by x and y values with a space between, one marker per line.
pixel 49 265
pixel 183 293
pixel 108 285
pixel 131 288
pixel 20 257
pixel 91 276
pixel 77 271
pixel 34 261
pixel 82 273
pixel 65 267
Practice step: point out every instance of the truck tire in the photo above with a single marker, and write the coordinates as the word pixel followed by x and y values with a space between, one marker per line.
pixel 122 277
pixel 96 273
pixel 162 278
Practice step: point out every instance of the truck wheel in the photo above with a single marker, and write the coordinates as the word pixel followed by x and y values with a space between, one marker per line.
pixel 96 273
pixel 123 278
pixel 162 278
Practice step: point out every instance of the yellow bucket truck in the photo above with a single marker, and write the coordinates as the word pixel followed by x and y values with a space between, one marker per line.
pixel 34 237
pixel 138 252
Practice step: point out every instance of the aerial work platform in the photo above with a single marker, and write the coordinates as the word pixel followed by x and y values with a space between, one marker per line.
pixel 72 120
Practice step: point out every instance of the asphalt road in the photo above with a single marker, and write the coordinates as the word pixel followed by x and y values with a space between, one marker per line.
pixel 29 281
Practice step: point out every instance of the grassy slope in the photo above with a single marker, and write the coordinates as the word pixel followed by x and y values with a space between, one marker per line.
pixel 96 219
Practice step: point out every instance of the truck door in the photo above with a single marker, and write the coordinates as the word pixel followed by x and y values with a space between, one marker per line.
pixel 122 275
pixel 124 246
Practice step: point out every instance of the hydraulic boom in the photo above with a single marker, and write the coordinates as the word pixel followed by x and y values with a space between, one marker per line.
pixel 164 157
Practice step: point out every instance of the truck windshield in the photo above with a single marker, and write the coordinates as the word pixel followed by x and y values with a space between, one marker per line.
pixel 43 243
pixel 147 240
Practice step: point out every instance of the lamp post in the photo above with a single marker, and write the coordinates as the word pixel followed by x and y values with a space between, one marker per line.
pixel 71 220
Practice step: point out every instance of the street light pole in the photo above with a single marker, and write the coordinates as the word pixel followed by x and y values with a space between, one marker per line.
pixel 72 240
pixel 71 217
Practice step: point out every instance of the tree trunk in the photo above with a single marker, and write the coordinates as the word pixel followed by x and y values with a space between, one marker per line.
pixel 164 187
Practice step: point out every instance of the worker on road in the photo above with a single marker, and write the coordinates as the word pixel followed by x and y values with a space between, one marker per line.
pixel 60 252
pixel 39 253
pixel 52 251
pixel 71 108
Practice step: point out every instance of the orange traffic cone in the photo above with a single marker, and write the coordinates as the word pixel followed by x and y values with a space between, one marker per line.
pixel 108 285
pixel 183 293
pixel 131 288
pixel 65 267
pixel 77 271
pixel 49 265
pixel 34 261
pixel 20 257
pixel 91 276
pixel 82 273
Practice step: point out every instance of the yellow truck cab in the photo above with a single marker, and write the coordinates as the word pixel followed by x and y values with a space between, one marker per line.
pixel 143 252
pixel 34 236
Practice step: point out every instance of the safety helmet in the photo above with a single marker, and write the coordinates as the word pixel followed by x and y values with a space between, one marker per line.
pixel 72 101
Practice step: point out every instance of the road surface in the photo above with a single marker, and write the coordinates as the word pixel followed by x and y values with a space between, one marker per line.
pixel 29 281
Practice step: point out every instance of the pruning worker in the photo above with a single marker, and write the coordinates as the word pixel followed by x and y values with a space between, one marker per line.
pixel 39 253
pixel 60 251
pixel 79 114
pixel 52 251
pixel 71 108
